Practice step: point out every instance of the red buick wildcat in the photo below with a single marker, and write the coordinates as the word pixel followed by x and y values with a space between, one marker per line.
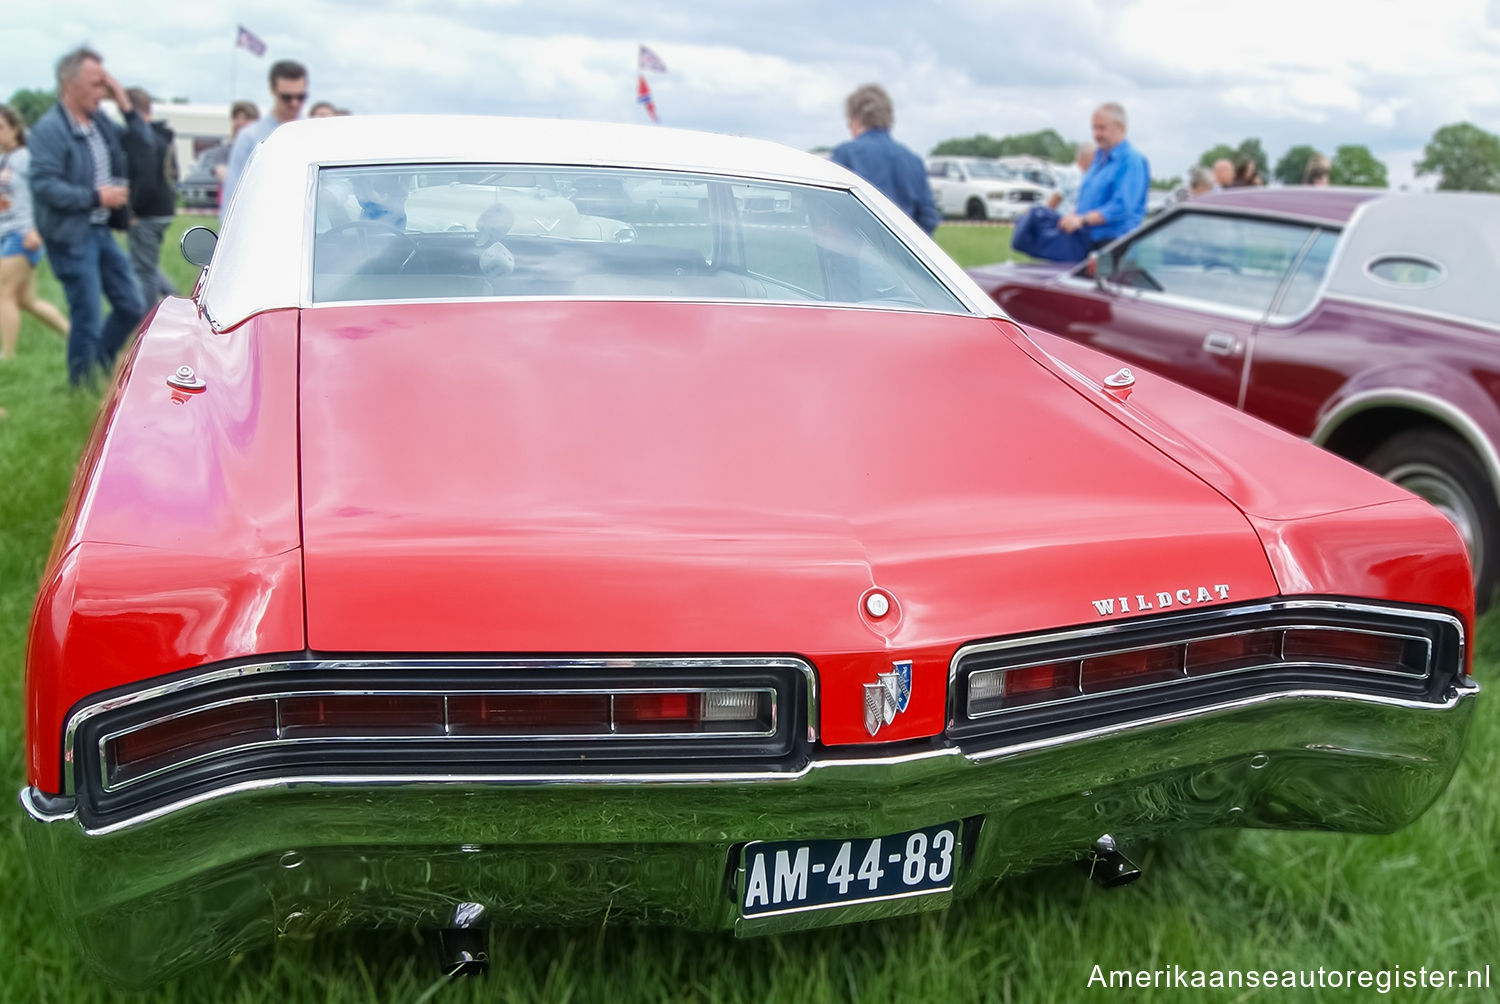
pixel 455 556
pixel 1360 319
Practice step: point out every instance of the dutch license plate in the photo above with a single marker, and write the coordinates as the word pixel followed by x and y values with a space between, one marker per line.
pixel 780 876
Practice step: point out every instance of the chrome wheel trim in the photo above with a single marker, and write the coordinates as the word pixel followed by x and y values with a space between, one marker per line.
pixel 1446 494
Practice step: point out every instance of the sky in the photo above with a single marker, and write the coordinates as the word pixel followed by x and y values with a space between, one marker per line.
pixel 1190 73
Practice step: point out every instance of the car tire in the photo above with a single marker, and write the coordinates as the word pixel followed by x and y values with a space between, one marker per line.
pixel 1440 468
pixel 974 210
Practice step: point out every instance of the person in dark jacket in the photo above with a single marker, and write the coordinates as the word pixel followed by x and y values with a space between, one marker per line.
pixel 78 184
pixel 875 156
pixel 153 201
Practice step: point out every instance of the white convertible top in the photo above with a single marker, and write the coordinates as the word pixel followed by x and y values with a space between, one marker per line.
pixel 260 260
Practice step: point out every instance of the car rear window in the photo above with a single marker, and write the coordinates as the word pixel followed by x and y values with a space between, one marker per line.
pixel 480 231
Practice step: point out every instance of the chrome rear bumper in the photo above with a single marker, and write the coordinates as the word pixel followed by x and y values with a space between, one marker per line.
pixel 165 891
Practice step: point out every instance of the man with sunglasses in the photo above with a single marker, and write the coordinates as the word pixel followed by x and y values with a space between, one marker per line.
pixel 288 97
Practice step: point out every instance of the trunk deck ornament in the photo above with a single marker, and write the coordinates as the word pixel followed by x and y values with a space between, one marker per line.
pixel 1120 383
pixel 186 379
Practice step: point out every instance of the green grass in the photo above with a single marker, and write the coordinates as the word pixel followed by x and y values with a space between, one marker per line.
pixel 1429 895
pixel 970 246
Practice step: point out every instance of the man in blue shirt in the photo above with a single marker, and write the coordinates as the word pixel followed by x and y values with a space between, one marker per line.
pixel 1112 198
pixel 873 155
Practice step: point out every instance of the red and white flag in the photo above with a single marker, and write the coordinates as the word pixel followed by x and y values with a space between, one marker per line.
pixel 247 39
pixel 650 61
pixel 643 96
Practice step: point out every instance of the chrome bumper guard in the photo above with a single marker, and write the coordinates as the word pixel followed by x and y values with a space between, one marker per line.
pixel 209 878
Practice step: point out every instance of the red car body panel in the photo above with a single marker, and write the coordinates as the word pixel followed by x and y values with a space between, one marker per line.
pixel 716 488
pixel 180 544
pixel 1313 538
pixel 492 508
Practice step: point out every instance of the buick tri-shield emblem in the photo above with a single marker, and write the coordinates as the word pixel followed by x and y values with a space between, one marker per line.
pixel 887 697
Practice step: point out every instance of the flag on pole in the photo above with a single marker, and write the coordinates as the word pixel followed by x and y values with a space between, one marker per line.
pixel 650 61
pixel 247 39
pixel 643 96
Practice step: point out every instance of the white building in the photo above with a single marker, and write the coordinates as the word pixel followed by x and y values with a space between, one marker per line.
pixel 198 127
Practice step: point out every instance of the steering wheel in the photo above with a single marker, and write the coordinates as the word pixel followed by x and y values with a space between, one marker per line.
pixel 368 231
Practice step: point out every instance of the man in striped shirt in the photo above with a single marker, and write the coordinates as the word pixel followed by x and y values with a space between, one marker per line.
pixel 78 172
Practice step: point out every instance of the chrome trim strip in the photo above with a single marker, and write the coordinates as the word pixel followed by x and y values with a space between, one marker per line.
pixel 309 232
pixel 31 807
pixel 1404 308
pixel 77 718
pixel 1297 260
pixel 1463 691
pixel 1420 401
pixel 1460 692
pixel 624 298
pixel 1204 620
pixel 574 163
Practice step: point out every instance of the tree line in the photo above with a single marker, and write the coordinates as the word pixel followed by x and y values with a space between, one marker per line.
pixel 1465 157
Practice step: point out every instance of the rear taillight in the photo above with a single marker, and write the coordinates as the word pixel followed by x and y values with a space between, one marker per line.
pixel 205 733
pixel 188 737
pixel 993 690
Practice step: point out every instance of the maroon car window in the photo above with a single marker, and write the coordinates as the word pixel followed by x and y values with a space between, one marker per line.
pixel 1229 262
pixel 479 231
pixel 1303 285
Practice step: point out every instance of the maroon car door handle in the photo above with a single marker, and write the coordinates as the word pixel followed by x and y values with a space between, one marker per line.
pixel 1221 343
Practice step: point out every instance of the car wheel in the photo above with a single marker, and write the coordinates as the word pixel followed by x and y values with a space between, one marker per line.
pixel 1438 467
pixel 975 210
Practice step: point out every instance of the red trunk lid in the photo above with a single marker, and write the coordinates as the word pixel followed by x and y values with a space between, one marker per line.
pixel 691 478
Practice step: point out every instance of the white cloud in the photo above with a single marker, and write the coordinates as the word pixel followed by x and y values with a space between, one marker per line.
pixel 1325 72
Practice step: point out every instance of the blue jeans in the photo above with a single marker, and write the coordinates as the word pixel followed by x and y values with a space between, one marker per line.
pixel 87 269
pixel 1038 235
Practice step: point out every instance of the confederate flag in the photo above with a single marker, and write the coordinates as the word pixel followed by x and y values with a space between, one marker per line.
pixel 643 95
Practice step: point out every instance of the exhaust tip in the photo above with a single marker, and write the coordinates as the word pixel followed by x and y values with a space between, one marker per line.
pixel 465 947
pixel 1107 864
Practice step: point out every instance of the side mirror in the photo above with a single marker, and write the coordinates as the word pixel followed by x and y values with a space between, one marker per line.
pixel 198 245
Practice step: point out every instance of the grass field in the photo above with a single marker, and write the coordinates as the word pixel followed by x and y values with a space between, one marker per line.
pixel 1428 896
pixel 977 245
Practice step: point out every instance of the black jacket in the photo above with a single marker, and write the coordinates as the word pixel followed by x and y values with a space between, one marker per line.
pixel 153 173
pixel 62 172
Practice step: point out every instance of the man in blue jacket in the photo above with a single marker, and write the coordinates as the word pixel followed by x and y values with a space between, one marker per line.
pixel 875 156
pixel 78 167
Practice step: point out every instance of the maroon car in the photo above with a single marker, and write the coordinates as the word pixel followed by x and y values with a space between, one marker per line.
pixel 1364 320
